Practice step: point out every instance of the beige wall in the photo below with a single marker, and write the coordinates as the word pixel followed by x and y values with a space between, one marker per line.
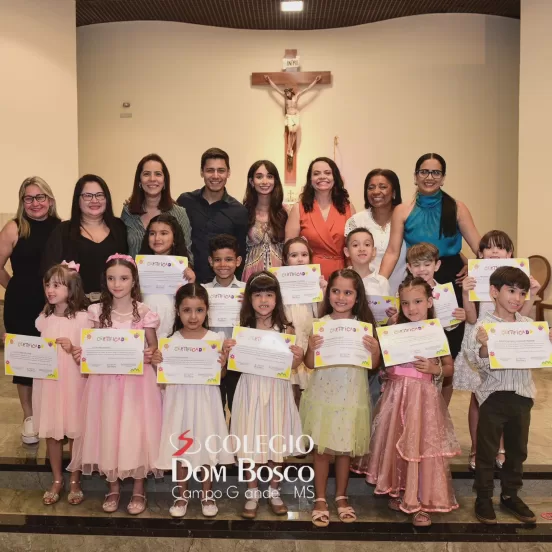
pixel 445 83
pixel 38 97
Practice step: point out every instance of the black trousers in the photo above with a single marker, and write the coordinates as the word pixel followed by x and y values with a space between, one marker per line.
pixel 228 386
pixel 503 411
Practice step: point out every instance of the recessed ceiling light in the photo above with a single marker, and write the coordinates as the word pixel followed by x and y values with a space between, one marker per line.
pixel 295 6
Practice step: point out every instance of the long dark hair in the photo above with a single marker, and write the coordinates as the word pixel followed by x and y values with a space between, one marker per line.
pixel 76 214
pixel 179 244
pixel 410 282
pixel 277 214
pixel 361 309
pixel 340 196
pixel 449 210
pixel 186 292
pixel 136 202
pixel 263 281
pixel 392 178
pixel 76 300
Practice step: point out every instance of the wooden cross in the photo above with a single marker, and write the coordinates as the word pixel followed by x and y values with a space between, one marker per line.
pixel 291 78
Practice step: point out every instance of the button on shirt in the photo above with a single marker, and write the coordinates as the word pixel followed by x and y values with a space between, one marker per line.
pixel 226 216
pixel 518 381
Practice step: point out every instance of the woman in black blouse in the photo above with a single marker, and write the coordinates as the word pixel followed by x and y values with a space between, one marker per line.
pixel 91 235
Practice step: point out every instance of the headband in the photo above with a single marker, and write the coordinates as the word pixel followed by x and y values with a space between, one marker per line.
pixel 126 258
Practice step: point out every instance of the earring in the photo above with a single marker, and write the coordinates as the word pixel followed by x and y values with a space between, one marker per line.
pixel 140 185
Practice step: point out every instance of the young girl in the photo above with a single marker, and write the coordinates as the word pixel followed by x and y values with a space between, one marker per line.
pixel 413 436
pixel 56 403
pixel 164 236
pixel 264 407
pixel 335 408
pixel 193 408
pixel 494 245
pixel 121 414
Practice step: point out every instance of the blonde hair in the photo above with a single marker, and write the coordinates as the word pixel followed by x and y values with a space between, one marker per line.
pixel 22 223
pixel 422 252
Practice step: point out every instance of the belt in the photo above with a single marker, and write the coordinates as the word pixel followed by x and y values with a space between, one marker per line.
pixel 405 372
pixel 331 257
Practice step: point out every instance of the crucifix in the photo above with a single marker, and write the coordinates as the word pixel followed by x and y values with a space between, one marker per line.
pixel 291 78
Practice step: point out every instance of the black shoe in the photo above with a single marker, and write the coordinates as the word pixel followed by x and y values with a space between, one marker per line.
pixel 484 511
pixel 518 508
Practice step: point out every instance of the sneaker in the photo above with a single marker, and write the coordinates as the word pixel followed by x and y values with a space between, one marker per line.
pixel 484 511
pixel 518 508
pixel 28 435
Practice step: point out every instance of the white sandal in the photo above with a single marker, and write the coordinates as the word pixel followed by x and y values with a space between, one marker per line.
pixel 179 511
pixel 209 510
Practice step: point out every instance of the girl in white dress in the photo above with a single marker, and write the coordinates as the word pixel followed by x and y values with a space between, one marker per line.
pixel 193 409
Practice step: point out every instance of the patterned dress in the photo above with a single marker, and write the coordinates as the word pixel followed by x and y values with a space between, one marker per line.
pixel 262 252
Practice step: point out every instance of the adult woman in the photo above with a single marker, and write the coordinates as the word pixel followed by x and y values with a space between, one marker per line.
pixel 151 196
pixel 22 241
pixel 263 200
pixel 321 214
pixel 382 193
pixel 91 235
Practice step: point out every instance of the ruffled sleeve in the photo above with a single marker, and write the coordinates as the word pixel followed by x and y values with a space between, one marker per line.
pixel 150 319
pixel 94 312
pixel 40 323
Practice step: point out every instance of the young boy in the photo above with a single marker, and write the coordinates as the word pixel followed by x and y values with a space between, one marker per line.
pixel 224 259
pixel 505 400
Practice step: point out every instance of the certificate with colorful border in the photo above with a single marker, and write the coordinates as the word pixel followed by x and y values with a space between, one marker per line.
pixel 379 304
pixel 444 303
pixel 519 345
pixel 299 284
pixel 161 274
pixel 401 343
pixel 111 351
pixel 262 353
pixel 481 270
pixel 342 343
pixel 30 357
pixel 224 306
pixel 189 361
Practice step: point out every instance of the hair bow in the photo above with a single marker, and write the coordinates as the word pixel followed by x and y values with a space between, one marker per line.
pixel 71 265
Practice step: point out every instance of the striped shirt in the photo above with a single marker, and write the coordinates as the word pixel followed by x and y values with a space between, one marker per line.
pixel 519 381
pixel 224 333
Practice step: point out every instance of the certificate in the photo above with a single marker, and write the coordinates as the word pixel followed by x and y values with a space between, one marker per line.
pixel 30 357
pixel 261 352
pixel 161 274
pixel 112 352
pixel 481 270
pixel 444 302
pixel 519 345
pixel 342 343
pixel 379 304
pixel 299 284
pixel 224 306
pixel 190 361
pixel 401 343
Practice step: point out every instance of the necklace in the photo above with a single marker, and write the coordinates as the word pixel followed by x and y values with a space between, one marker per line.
pixel 121 313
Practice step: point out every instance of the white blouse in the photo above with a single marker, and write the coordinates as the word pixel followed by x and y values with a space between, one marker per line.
pixel 364 219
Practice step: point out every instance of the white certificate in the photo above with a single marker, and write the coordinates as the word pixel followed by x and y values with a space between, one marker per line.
pixel 189 361
pixel 342 343
pixel 379 304
pixel 481 270
pixel 224 306
pixel 444 302
pixel 401 343
pixel 261 352
pixel 519 345
pixel 112 352
pixel 30 357
pixel 161 274
pixel 299 284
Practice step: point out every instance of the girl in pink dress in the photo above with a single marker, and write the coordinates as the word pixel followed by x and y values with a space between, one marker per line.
pixel 412 433
pixel 121 414
pixel 56 402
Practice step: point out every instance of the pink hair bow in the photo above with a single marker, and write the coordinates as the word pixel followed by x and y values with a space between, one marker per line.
pixel 126 258
pixel 71 265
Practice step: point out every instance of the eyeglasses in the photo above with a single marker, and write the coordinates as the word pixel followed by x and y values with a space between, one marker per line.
pixel 39 198
pixel 434 173
pixel 100 196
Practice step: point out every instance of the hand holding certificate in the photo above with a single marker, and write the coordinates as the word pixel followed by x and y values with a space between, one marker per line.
pixel 481 270
pixel 379 305
pixel 224 306
pixel 402 343
pixel 445 303
pixel 161 274
pixel 299 284
pixel 30 357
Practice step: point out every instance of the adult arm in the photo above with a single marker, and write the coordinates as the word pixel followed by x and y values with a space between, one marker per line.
pixel 241 235
pixel 271 82
pixel 393 250
pixel 184 222
pixel 8 239
pixel 467 227
pixel 293 224
pixel 352 208
pixel 313 83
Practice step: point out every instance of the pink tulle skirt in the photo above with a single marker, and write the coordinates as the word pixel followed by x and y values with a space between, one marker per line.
pixel 412 439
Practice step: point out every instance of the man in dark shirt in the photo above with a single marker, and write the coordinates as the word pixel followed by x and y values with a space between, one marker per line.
pixel 212 211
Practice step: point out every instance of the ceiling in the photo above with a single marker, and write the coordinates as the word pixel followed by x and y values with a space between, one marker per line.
pixel 266 14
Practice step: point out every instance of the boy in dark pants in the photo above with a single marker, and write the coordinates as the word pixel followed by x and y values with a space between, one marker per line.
pixel 505 399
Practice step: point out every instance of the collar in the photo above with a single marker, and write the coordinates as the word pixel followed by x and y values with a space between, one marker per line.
pixel 199 194
pixel 235 283
pixel 490 314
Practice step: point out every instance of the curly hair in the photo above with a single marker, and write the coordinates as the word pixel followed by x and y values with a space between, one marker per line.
pixel 409 283
pixel 186 292
pixel 76 300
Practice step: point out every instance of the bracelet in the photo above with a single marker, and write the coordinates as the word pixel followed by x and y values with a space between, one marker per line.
pixel 438 377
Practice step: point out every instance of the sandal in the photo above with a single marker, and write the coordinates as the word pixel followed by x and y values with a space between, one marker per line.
pixel 251 504
pixel 276 503
pixel 498 462
pixel 320 518
pixel 421 519
pixel 471 461
pixel 346 514
pixel 209 510
pixel 50 498
pixel 136 508
pixel 75 497
pixel 394 503
pixel 110 506
pixel 179 511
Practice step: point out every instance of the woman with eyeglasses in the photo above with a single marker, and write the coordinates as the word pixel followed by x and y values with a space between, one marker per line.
pixel 90 236
pixel 22 242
